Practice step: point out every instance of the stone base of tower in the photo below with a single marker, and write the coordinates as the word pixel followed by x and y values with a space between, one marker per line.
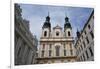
pixel 49 60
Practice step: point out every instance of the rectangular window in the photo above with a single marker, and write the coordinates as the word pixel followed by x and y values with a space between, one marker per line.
pixel 85 32
pixel 70 46
pixel 81 47
pixel 64 52
pixel 32 59
pixel 80 40
pixel 43 46
pixel 91 33
pixel 78 49
pixel 57 50
pixel 77 52
pixel 19 51
pixel 64 46
pixel 71 51
pixel 82 36
pixel 42 54
pixel 89 26
pixel 87 55
pixel 84 44
pixel 50 46
pixel 83 57
pixel 87 40
pixel 49 52
pixel 91 51
pixel 80 58
pixel 27 54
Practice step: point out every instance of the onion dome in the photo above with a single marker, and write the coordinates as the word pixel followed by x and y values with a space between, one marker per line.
pixel 67 23
pixel 47 23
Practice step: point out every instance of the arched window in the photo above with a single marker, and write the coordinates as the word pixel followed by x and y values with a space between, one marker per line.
pixel 68 33
pixel 43 46
pixel 57 50
pixel 50 52
pixel 45 33
pixel 57 33
pixel 64 52
pixel 42 55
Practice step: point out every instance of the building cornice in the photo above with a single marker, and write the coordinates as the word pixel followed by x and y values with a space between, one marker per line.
pixel 66 57
pixel 56 39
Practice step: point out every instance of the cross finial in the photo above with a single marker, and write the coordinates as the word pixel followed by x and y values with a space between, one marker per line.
pixel 77 29
pixel 48 13
pixel 65 14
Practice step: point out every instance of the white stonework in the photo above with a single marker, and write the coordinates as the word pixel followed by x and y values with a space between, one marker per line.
pixel 85 41
pixel 54 43
pixel 25 43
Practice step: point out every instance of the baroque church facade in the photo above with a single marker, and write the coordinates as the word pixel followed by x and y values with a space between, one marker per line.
pixel 56 46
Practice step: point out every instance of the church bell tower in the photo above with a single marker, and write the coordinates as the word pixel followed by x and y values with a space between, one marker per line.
pixel 46 29
pixel 67 28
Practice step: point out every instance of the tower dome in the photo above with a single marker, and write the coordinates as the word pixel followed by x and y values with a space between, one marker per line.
pixel 47 23
pixel 67 23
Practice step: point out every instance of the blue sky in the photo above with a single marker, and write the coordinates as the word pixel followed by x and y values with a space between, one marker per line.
pixel 36 15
